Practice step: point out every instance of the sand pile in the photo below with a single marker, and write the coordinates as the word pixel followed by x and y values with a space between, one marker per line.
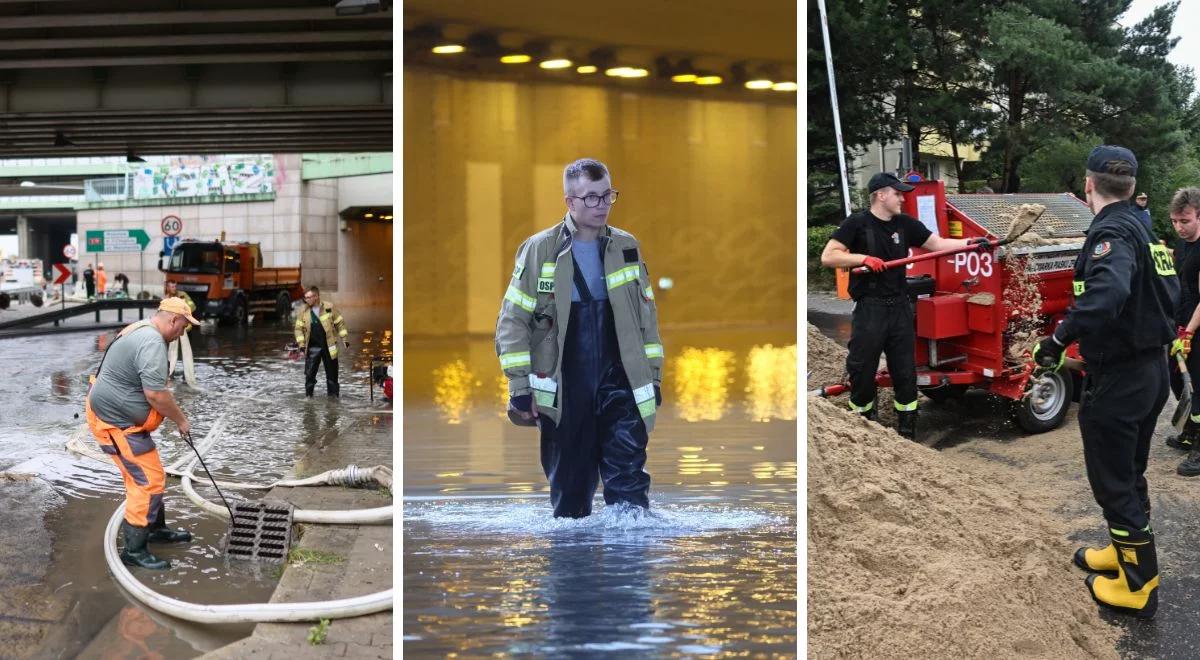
pixel 910 556
pixel 827 364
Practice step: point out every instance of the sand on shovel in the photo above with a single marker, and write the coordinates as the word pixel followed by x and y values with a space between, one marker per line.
pixel 910 556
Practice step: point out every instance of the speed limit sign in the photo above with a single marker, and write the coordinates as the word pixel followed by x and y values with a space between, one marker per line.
pixel 69 251
pixel 172 225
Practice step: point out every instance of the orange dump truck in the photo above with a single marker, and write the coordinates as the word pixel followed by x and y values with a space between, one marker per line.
pixel 228 281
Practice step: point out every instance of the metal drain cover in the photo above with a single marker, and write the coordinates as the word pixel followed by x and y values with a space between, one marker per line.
pixel 260 531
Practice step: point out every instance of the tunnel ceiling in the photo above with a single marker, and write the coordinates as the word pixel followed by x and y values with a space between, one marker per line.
pixel 114 77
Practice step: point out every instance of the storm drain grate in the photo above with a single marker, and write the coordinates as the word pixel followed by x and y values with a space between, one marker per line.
pixel 260 531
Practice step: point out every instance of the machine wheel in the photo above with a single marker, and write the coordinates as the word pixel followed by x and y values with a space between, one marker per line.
pixel 945 393
pixel 283 305
pixel 1046 406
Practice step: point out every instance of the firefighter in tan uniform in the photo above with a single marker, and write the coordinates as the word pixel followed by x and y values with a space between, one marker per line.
pixel 319 328
pixel 577 337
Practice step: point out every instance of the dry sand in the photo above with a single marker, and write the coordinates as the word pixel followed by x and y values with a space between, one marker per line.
pixel 914 553
pixel 912 556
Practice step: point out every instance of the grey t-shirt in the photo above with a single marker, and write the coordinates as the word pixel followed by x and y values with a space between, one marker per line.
pixel 135 362
pixel 587 260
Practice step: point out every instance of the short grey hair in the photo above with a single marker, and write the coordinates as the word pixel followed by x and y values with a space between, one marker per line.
pixel 1185 197
pixel 593 169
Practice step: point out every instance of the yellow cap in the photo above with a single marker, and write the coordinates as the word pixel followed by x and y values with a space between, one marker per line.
pixel 177 306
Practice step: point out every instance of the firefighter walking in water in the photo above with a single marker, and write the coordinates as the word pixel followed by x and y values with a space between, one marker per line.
pixel 1126 294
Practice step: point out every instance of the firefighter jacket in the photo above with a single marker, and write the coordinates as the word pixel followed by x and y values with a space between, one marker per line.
pixel 330 319
pixel 1125 290
pixel 532 327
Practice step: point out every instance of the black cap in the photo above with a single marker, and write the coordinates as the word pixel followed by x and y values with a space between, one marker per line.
pixel 887 180
pixel 1107 156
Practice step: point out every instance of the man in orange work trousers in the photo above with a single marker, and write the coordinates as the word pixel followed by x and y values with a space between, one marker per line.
pixel 128 399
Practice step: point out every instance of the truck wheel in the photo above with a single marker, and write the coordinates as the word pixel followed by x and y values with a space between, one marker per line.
pixel 1045 408
pixel 36 299
pixel 241 312
pixel 5 300
pixel 283 305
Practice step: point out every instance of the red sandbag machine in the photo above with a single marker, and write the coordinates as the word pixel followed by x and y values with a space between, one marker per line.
pixel 971 309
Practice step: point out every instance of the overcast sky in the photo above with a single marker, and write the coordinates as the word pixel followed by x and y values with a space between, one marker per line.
pixel 1187 51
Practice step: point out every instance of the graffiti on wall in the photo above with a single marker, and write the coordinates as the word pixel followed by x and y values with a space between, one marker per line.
pixel 198 176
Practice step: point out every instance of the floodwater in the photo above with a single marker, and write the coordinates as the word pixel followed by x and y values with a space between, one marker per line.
pixel 56 596
pixel 710 571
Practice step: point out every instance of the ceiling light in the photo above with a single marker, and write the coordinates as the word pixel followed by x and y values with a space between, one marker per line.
pixel 586 68
pixel 387 217
pixel 559 63
pixel 368 215
pixel 28 184
pixel 356 7
pixel 636 73
pixel 684 78
pixel 708 80
pixel 448 49
pixel 784 87
pixel 616 72
pixel 626 72
pixel 759 84
pixel 515 59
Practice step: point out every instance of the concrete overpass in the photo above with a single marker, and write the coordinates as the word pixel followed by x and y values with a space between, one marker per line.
pixel 141 77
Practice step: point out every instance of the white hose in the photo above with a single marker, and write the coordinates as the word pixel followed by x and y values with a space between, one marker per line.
pixel 189 365
pixel 245 613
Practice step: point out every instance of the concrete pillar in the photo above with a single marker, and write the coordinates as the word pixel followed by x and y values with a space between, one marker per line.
pixel 23 235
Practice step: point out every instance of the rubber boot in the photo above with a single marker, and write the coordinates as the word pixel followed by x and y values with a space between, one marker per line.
pixel 907 426
pixel 1135 588
pixel 135 552
pixel 1186 440
pixel 1190 467
pixel 1097 561
pixel 160 533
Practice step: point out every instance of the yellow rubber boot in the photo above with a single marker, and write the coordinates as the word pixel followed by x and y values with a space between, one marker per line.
pixel 1097 561
pixel 1135 588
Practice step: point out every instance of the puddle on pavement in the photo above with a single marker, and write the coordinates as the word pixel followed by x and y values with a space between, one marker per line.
pixel 710 569
pixel 54 570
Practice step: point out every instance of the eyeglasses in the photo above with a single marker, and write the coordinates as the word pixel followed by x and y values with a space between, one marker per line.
pixel 593 200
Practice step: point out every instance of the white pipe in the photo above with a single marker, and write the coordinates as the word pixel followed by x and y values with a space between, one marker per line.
pixel 381 514
pixel 245 613
pixel 837 120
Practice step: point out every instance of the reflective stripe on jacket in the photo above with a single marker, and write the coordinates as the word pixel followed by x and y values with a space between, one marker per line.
pixel 330 319
pixel 532 325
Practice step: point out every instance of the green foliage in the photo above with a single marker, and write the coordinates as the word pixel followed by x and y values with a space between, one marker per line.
pixel 819 277
pixel 306 556
pixel 317 634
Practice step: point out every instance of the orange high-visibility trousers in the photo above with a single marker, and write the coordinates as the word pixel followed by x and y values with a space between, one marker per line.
pixel 133 450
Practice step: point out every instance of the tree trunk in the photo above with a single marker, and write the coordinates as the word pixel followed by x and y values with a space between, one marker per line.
pixel 1009 180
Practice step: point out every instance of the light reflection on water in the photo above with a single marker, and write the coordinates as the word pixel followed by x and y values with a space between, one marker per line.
pixel 710 570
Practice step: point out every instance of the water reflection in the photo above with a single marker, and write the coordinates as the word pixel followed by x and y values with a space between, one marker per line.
pixel 702 377
pixel 771 383
pixel 454 384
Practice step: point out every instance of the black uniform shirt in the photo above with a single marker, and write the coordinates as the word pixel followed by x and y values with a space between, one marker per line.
pixel 1125 287
pixel 1187 264
pixel 892 240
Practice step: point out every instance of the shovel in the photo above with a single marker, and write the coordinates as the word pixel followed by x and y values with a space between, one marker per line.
pixel 1020 225
pixel 1184 408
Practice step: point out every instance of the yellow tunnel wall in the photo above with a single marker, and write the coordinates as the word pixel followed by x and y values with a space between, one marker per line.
pixel 707 186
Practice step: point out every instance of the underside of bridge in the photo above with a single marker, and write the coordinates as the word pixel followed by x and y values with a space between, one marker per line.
pixel 141 77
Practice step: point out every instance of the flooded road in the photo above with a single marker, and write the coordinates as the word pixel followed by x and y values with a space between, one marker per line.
pixel 710 571
pixel 56 596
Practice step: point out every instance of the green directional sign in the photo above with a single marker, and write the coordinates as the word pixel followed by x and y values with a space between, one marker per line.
pixel 117 240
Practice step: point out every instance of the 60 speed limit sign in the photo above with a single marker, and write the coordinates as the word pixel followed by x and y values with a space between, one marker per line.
pixel 172 225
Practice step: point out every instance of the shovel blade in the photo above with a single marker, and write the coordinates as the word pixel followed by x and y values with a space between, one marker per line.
pixel 1183 409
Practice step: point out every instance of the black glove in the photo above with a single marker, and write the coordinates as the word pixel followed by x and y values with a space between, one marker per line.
pixel 1049 354
pixel 657 396
pixel 981 243
pixel 521 404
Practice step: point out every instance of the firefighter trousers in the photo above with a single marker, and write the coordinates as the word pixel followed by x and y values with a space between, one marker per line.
pixel 600 434
pixel 1117 412
pixel 882 326
pixel 314 357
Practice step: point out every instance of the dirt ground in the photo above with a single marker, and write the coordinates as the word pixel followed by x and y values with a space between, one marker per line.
pixel 965 550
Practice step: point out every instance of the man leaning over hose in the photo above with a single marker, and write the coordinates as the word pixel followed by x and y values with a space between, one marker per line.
pixel 126 402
